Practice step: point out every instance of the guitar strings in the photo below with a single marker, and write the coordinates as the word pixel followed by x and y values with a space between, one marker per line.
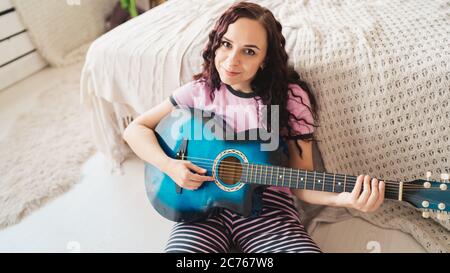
pixel 389 189
pixel 391 186
pixel 338 177
pixel 388 186
pixel 231 164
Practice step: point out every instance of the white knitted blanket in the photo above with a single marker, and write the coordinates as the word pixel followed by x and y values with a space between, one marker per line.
pixel 379 69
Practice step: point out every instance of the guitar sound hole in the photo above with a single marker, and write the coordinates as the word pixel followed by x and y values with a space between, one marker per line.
pixel 230 170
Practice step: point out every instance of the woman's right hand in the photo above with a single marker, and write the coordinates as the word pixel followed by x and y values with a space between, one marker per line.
pixel 186 174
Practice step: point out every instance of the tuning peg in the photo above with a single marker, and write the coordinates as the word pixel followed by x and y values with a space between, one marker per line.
pixel 442 216
pixel 427 184
pixel 444 179
pixel 425 214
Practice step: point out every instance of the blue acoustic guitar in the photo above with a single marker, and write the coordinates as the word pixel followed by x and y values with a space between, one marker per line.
pixel 241 169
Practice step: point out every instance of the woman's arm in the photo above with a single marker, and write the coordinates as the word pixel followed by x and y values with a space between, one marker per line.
pixel 141 138
pixel 368 200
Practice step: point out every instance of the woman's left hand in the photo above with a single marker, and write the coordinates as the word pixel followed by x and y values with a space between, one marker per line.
pixel 368 200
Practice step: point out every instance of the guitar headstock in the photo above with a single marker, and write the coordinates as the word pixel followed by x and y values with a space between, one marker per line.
pixel 429 196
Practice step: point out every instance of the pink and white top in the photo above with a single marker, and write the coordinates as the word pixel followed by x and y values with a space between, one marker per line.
pixel 228 101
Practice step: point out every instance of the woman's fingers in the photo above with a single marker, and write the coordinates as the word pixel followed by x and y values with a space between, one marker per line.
pixel 196 176
pixel 194 167
pixel 374 195
pixel 192 178
pixel 362 200
pixel 357 188
pixel 367 194
pixel 381 190
pixel 200 178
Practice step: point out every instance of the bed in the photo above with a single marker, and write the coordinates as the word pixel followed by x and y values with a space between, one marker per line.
pixel 379 71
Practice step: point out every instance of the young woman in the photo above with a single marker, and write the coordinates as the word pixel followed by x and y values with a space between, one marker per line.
pixel 246 66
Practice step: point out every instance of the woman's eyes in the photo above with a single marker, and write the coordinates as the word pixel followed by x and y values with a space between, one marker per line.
pixel 246 50
pixel 249 52
pixel 226 44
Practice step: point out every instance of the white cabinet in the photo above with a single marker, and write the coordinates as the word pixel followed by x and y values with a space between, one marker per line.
pixel 18 57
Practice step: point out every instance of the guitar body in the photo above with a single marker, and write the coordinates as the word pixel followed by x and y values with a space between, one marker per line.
pixel 194 137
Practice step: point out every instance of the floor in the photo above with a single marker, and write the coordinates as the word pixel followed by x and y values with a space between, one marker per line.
pixel 107 212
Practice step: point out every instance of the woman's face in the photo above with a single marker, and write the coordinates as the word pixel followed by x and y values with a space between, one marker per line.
pixel 241 53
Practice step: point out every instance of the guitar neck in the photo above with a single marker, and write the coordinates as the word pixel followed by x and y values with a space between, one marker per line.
pixel 303 179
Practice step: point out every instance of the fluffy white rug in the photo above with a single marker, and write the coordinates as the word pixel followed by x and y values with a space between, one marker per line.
pixel 41 156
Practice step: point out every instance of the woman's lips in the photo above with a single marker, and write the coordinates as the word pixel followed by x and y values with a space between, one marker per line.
pixel 230 73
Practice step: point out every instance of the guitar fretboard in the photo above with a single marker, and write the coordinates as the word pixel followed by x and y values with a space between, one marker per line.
pixel 299 179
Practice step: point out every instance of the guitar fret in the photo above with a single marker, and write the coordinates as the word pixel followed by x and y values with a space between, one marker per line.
pixel 334 180
pixel 298 176
pixel 290 180
pixel 271 172
pixel 259 168
pixel 306 177
pixel 265 181
pixel 314 180
pixel 293 175
pixel 281 178
pixel 276 178
pixel 323 184
pixel 260 174
pixel 339 186
pixel 255 173
pixel 345 180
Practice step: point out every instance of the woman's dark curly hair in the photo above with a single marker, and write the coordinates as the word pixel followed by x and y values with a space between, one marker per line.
pixel 271 83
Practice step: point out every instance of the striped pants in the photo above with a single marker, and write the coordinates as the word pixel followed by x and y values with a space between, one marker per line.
pixel 277 229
